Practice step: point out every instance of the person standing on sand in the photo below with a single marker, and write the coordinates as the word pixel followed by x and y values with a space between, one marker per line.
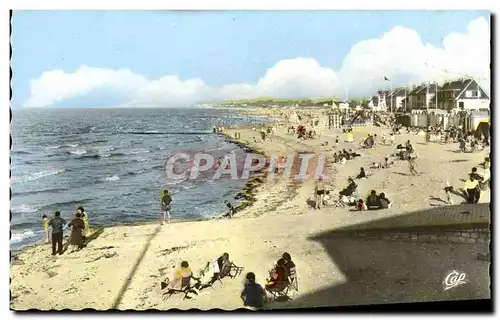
pixel 57 224
pixel 85 219
pixel 77 227
pixel 230 207
pixel 411 163
pixel 46 232
pixel 166 199
pixel 319 191
pixel 471 188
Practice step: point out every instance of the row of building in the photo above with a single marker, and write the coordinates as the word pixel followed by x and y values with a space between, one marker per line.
pixel 457 95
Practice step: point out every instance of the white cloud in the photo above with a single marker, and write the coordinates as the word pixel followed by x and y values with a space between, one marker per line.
pixel 399 54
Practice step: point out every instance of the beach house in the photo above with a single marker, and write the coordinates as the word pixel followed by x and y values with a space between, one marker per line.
pixel 374 106
pixel 419 96
pixel 396 99
pixel 462 95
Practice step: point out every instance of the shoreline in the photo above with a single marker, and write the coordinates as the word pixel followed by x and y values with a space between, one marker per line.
pixel 247 193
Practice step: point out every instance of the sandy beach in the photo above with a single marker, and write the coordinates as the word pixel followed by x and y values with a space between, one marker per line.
pixel 123 266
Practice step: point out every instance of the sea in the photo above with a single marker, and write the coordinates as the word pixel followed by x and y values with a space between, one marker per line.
pixel 113 163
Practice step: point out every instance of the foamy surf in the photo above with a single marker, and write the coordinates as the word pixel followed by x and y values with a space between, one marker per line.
pixel 21 235
pixel 112 178
pixel 78 152
pixel 23 208
pixel 37 175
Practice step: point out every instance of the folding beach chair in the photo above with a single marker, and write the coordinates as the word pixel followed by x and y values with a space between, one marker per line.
pixel 279 291
pixel 294 280
pixel 186 287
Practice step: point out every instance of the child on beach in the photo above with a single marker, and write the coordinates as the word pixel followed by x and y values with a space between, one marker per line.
pixel 337 142
pixel 362 205
pixel 46 233
pixel 448 189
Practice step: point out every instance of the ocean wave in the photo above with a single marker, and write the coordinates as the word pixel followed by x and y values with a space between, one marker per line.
pixel 37 175
pixel 57 205
pixel 111 178
pixel 53 147
pixel 78 152
pixel 24 208
pixel 38 191
pixel 21 152
pixel 130 152
pixel 19 236
pixel 71 145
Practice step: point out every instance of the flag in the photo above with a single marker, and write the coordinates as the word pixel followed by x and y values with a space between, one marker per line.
pixel 386 79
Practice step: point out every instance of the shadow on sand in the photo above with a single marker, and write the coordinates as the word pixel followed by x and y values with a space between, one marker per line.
pixel 380 271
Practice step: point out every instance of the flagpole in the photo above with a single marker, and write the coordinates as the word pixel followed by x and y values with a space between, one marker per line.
pixel 428 117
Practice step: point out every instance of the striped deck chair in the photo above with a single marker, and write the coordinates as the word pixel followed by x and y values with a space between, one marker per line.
pixel 186 287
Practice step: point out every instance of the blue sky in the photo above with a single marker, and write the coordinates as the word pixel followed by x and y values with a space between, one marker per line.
pixel 220 47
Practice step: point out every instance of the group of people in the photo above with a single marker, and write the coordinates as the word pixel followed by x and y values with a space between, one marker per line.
pixel 218 129
pixel 475 184
pixel 54 230
pixel 253 295
pixel 342 156
pixel 374 201
pixel 369 142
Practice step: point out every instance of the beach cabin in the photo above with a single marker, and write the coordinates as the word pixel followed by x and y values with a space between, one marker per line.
pixel 462 95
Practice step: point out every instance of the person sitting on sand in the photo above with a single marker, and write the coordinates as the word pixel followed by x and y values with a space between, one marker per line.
pixel 183 271
pixel 327 199
pixel 372 200
pixel 383 202
pixel 253 295
pixel 362 174
pixel 350 189
pixel 346 154
pixel 361 205
pixel 335 157
pixel 376 165
pixel 278 279
pixel 224 264
pixel 353 154
pixel 387 162
pixel 342 159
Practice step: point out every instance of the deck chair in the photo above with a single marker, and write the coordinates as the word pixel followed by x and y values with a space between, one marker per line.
pixel 280 291
pixel 186 287
pixel 294 281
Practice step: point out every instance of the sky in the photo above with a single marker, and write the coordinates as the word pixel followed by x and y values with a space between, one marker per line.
pixel 181 58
